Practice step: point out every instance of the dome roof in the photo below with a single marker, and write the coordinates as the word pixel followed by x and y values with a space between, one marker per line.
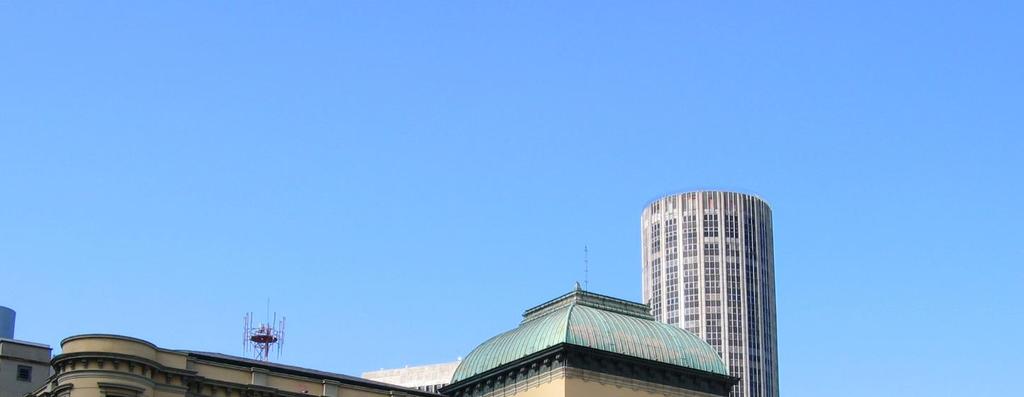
pixel 595 321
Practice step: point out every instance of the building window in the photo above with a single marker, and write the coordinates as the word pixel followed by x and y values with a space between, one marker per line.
pixel 119 390
pixel 711 225
pixel 24 373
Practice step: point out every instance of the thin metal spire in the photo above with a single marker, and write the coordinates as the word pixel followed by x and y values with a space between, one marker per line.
pixel 586 268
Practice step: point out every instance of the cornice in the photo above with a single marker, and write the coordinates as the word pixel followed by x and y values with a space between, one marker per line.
pixel 113 336
pixel 65 358
pixel 22 359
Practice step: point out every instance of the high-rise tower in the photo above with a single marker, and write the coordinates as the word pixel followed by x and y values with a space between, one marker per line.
pixel 708 266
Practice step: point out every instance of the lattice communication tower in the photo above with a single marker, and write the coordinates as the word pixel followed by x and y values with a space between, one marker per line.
pixel 259 339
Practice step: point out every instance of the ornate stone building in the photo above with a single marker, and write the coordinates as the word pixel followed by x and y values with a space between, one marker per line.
pixel 584 344
pixel 119 366
pixel 579 344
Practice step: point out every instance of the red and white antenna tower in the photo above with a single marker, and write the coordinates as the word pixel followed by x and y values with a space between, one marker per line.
pixel 259 339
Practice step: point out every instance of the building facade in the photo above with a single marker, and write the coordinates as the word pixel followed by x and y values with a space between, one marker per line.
pixel 24 366
pixel 101 365
pixel 708 267
pixel 430 377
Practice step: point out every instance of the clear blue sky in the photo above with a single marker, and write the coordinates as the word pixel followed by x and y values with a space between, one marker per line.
pixel 403 179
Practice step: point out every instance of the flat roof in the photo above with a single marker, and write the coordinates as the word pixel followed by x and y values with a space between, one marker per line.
pixel 300 371
pixel 24 342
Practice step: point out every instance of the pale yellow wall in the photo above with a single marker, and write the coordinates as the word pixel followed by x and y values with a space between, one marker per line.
pixel 607 386
pixel 552 388
pixel 171 359
pixel 167 393
pixel 360 393
pixel 109 345
pixel 551 384
pixel 221 373
pixel 574 382
pixel 294 385
pixel 87 385
pixel 85 388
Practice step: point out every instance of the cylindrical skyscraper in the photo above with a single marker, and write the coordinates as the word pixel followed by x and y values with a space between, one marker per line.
pixel 708 266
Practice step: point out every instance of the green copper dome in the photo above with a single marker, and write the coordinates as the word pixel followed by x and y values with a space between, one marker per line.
pixel 599 322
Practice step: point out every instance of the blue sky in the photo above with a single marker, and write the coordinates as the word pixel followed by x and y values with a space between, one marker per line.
pixel 403 179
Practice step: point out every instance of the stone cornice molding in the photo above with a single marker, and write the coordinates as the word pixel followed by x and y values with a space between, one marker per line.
pixel 23 359
pixel 577 357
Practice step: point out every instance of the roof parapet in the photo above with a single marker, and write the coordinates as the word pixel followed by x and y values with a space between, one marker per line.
pixel 586 298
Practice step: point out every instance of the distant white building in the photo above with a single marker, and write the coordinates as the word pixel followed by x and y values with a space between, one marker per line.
pixel 424 377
